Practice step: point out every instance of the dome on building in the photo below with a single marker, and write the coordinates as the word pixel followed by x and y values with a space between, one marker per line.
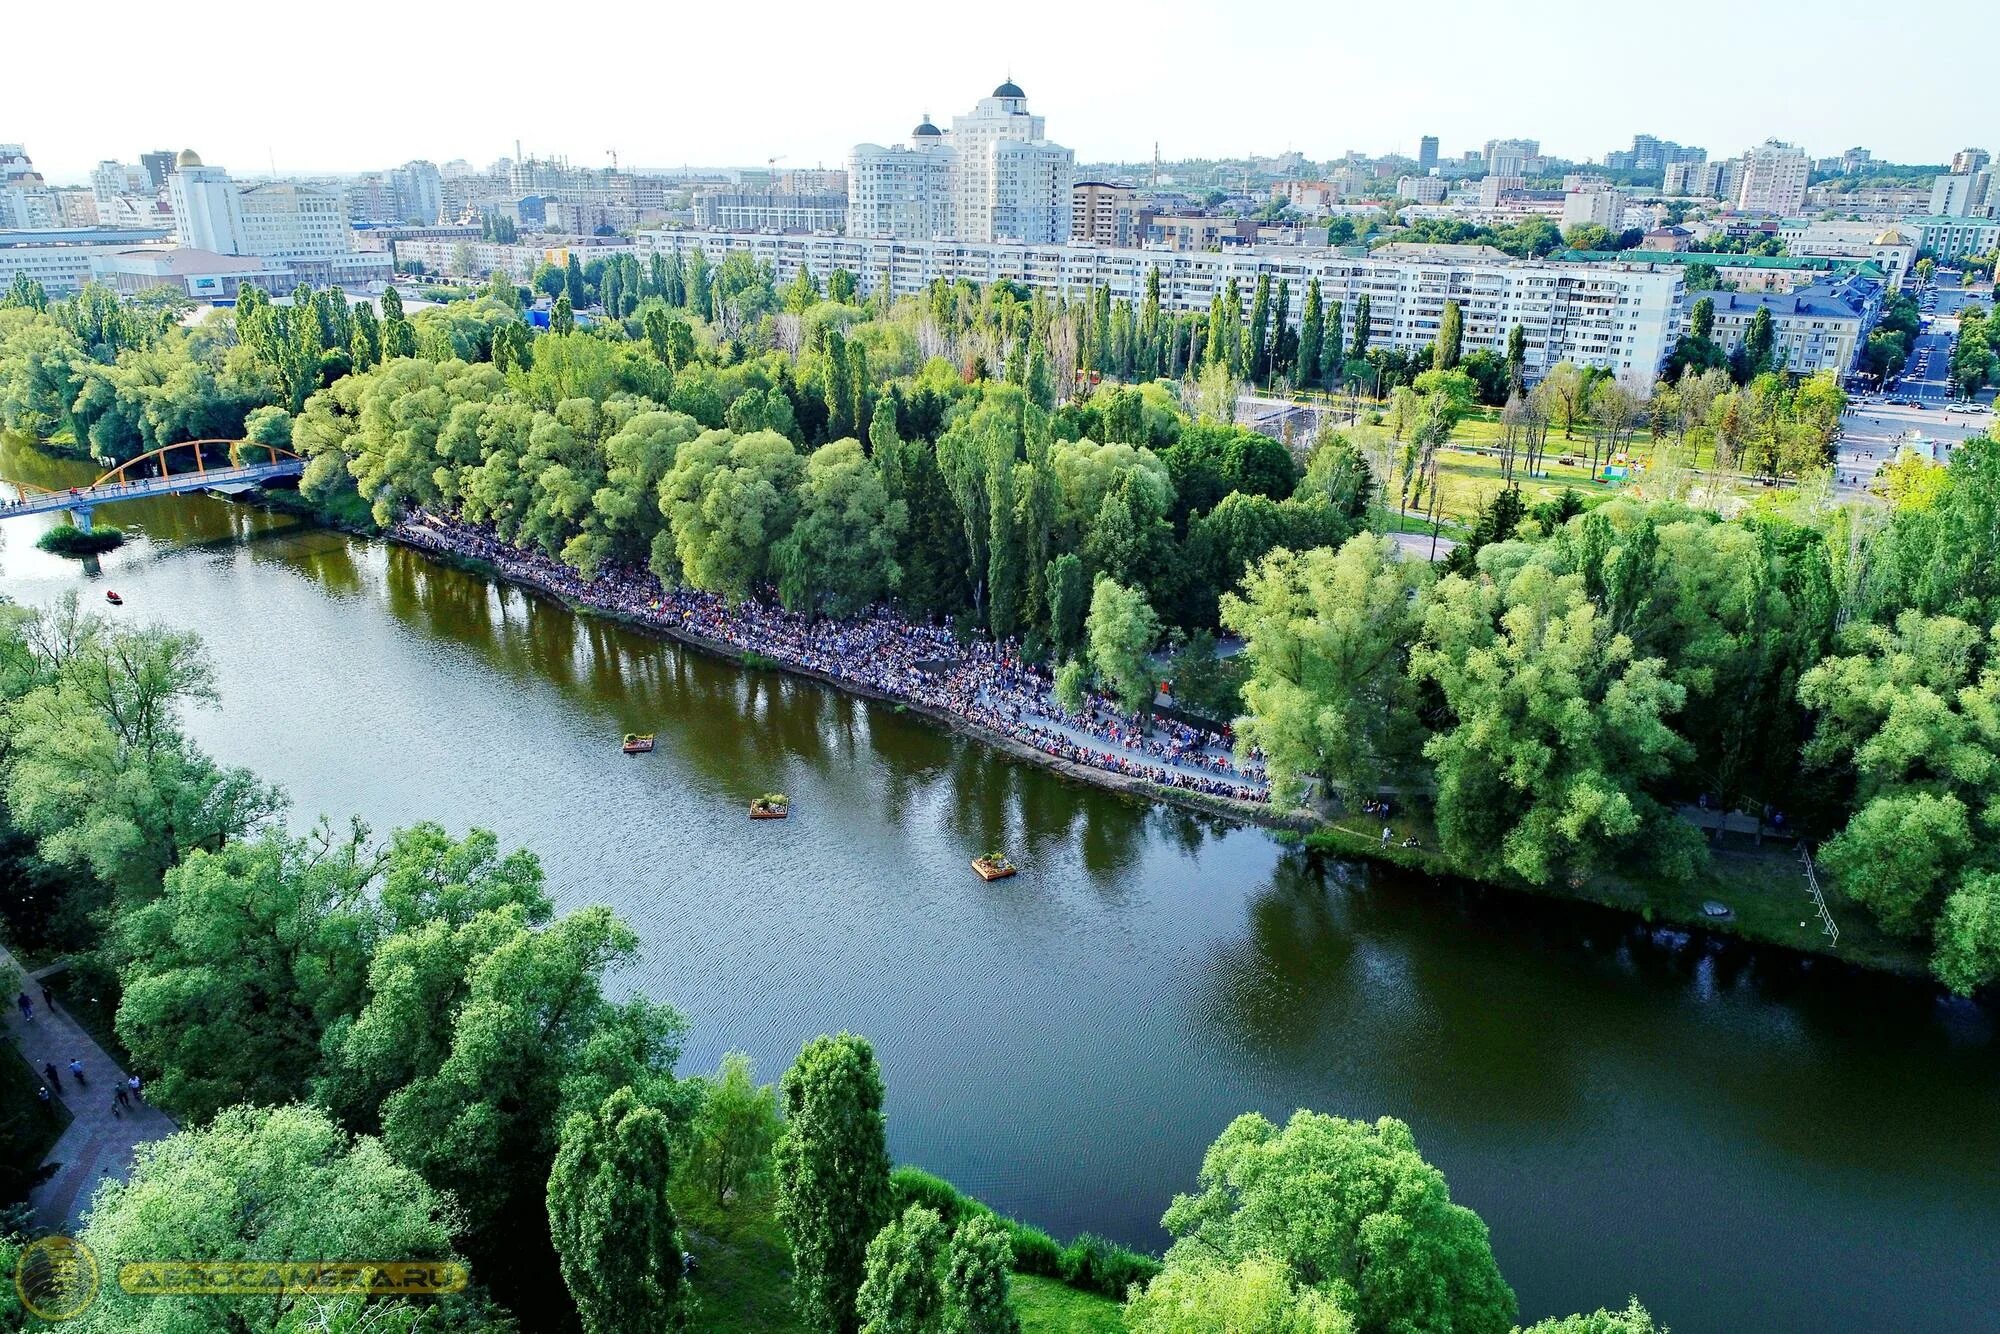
pixel 188 158
pixel 1009 89
pixel 926 130
pixel 1890 236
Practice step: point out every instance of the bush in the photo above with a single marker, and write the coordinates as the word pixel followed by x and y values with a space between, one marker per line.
pixel 68 540
pixel 1097 1265
pixel 1089 1263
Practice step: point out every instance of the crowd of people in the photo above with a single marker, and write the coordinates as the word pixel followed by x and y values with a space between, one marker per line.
pixel 985 683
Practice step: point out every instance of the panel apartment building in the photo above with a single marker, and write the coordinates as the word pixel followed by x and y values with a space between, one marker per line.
pixel 1622 319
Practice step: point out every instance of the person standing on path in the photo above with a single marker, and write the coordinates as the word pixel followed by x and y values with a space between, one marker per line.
pixel 133 1084
pixel 48 998
pixel 76 1070
pixel 27 1007
pixel 49 1069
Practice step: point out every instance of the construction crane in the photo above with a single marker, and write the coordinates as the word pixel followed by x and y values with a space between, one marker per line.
pixel 612 153
pixel 771 163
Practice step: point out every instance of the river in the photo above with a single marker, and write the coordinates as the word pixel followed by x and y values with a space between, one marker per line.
pixel 1745 1140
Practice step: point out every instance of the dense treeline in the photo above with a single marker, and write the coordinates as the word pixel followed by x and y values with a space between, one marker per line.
pixel 1569 681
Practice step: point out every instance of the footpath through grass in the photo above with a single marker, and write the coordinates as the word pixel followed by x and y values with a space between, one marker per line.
pixel 744 1277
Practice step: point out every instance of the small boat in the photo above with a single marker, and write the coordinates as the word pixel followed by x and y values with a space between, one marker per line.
pixel 637 743
pixel 771 806
pixel 113 598
pixel 993 866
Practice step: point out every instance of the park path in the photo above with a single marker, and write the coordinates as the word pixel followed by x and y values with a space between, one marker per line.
pixel 101 1137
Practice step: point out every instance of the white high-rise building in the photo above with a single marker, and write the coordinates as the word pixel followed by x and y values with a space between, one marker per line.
pixel 26 202
pixel 1036 182
pixel 1774 179
pixel 208 207
pixel 904 193
pixel 1961 195
pixel 1968 160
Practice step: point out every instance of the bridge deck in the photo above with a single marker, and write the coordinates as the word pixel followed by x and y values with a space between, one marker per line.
pixel 89 497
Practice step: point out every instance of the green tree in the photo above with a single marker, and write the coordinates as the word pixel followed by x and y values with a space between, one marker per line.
pixel 842 549
pixel 832 1167
pixel 263 1183
pixel 900 1292
pixel 1312 338
pixel 977 1297
pixel 1120 632
pixel 613 1226
pixel 1450 344
pixel 1255 1295
pixel 729 500
pixel 562 319
pixel 1328 636
pixel 1358 348
pixel 1348 1210
pixel 1068 601
pixel 733 1132
pixel 1634 1319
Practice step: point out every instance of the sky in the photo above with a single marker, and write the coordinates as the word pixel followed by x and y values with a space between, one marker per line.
pixel 738 84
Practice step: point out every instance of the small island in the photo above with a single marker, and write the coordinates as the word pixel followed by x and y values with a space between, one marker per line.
pixel 993 866
pixel 637 743
pixel 68 540
pixel 771 806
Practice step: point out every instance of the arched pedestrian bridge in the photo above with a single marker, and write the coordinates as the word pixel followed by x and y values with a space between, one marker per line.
pixel 187 466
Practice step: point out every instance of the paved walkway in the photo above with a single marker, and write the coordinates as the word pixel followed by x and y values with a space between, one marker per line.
pixel 102 1136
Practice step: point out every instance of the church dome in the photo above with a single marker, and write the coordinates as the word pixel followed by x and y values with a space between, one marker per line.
pixel 927 130
pixel 1009 89
pixel 1891 237
pixel 188 158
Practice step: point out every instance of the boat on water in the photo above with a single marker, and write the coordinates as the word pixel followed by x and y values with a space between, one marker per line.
pixel 113 598
pixel 638 743
pixel 771 806
pixel 993 866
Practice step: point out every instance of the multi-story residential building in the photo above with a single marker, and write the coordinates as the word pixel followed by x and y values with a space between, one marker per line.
pixel 25 198
pixel 1963 195
pixel 1773 179
pixel 159 165
pixel 418 188
pixel 1957 238
pixel 113 181
pixel 1966 161
pixel 1854 159
pixel 1513 157
pixel 1008 181
pixel 1421 189
pixel 773 212
pixel 1704 180
pixel 292 221
pixel 473 258
pixel 1104 213
pixel 1594 203
pixel 1427 155
pixel 1192 232
pixel 76 207
pixel 1819 328
pixel 903 192
pixel 1624 318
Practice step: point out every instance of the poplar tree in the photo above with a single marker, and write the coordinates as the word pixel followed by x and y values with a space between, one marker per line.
pixel 613 1227
pixel 1149 326
pixel 1312 330
pixel 832 1166
pixel 1332 347
pixel 573 282
pixel 1359 348
pixel 1450 339
pixel 1255 357
pixel 1517 358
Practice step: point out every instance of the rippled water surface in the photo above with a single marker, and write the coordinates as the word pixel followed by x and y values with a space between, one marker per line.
pixel 1745 1142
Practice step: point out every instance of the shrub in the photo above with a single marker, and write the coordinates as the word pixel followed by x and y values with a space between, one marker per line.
pixel 1089 1263
pixel 67 540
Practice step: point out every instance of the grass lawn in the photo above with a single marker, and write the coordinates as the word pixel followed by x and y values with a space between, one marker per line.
pixel 744 1278
pixel 1048 1307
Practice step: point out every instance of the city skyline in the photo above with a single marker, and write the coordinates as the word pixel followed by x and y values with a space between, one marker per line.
pixel 805 107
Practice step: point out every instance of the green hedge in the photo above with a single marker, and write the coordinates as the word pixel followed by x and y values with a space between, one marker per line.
pixel 68 540
pixel 1089 1263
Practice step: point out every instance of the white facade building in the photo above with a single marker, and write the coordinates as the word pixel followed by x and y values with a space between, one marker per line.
pixel 208 208
pixel 1891 249
pixel 1962 195
pixel 1624 318
pixel 1773 179
pixel 902 192
pixel 25 198
pixel 1594 204
pixel 1011 194
pixel 293 222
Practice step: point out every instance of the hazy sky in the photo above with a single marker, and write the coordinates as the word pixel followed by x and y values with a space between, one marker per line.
pixel 734 84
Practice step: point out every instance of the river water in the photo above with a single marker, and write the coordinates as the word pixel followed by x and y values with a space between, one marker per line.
pixel 1744 1140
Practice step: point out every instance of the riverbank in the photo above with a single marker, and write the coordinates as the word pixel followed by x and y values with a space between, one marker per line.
pixel 1764 889
pixel 437 539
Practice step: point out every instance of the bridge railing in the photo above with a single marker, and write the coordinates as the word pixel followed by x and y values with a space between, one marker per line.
pixel 99 494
